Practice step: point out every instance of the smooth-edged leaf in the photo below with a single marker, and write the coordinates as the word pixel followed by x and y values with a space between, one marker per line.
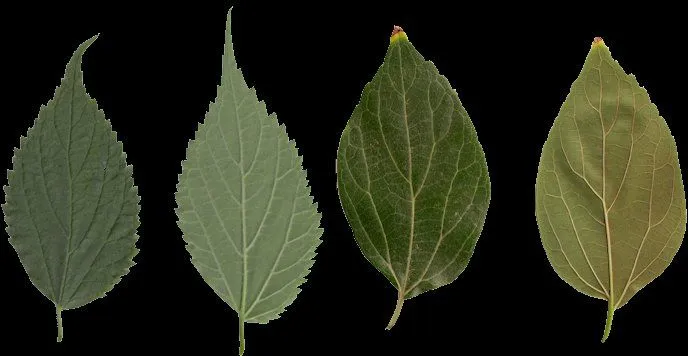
pixel 412 176
pixel 71 206
pixel 244 204
pixel 610 202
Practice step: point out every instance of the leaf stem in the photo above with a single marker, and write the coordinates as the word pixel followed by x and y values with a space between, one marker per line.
pixel 58 314
pixel 242 341
pixel 608 326
pixel 397 311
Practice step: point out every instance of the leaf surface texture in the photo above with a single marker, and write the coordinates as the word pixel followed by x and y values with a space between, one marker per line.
pixel 71 205
pixel 610 201
pixel 244 205
pixel 412 176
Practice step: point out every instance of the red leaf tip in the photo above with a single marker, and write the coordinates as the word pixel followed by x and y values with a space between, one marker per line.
pixel 396 30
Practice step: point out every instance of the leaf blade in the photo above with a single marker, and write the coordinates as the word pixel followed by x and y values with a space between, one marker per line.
pixel 244 205
pixel 71 206
pixel 609 121
pixel 396 189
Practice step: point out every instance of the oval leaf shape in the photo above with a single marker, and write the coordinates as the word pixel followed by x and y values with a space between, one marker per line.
pixel 71 206
pixel 244 204
pixel 610 202
pixel 412 176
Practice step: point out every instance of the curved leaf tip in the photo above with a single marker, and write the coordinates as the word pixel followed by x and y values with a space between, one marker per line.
pixel 75 60
pixel 71 206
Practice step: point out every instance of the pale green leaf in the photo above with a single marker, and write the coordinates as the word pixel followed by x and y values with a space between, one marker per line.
pixel 244 205
pixel 71 205
pixel 412 175
pixel 610 201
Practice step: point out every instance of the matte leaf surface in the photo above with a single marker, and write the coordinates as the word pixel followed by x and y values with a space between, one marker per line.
pixel 71 205
pixel 610 201
pixel 412 176
pixel 244 205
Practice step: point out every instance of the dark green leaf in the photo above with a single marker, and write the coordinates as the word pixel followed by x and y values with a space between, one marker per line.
pixel 71 205
pixel 412 175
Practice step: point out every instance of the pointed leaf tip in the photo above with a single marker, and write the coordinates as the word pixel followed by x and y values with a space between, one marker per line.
pixel 597 41
pixel 397 33
pixel 72 274
pixel 258 269
pixel 84 45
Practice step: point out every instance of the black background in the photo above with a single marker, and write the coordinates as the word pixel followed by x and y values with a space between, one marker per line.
pixel 154 71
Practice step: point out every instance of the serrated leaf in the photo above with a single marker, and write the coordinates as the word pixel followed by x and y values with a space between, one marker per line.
pixel 412 175
pixel 610 202
pixel 71 206
pixel 244 205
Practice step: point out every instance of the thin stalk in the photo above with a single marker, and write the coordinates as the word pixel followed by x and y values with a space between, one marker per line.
pixel 397 311
pixel 608 326
pixel 242 341
pixel 58 314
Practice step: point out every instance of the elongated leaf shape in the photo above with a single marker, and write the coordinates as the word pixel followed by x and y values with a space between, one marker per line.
pixel 71 206
pixel 610 201
pixel 244 205
pixel 412 175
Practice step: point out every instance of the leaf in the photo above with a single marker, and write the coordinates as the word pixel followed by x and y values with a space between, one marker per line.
pixel 71 206
pixel 412 176
pixel 610 202
pixel 244 205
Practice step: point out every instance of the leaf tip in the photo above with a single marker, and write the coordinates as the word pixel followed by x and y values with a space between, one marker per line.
pixel 597 41
pixel 84 46
pixel 397 33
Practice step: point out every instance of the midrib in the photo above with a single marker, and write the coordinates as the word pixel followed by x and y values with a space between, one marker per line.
pixel 402 289
pixel 71 194
pixel 244 274
pixel 604 197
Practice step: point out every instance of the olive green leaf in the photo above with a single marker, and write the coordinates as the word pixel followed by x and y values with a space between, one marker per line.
pixel 610 203
pixel 244 205
pixel 71 206
pixel 412 176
